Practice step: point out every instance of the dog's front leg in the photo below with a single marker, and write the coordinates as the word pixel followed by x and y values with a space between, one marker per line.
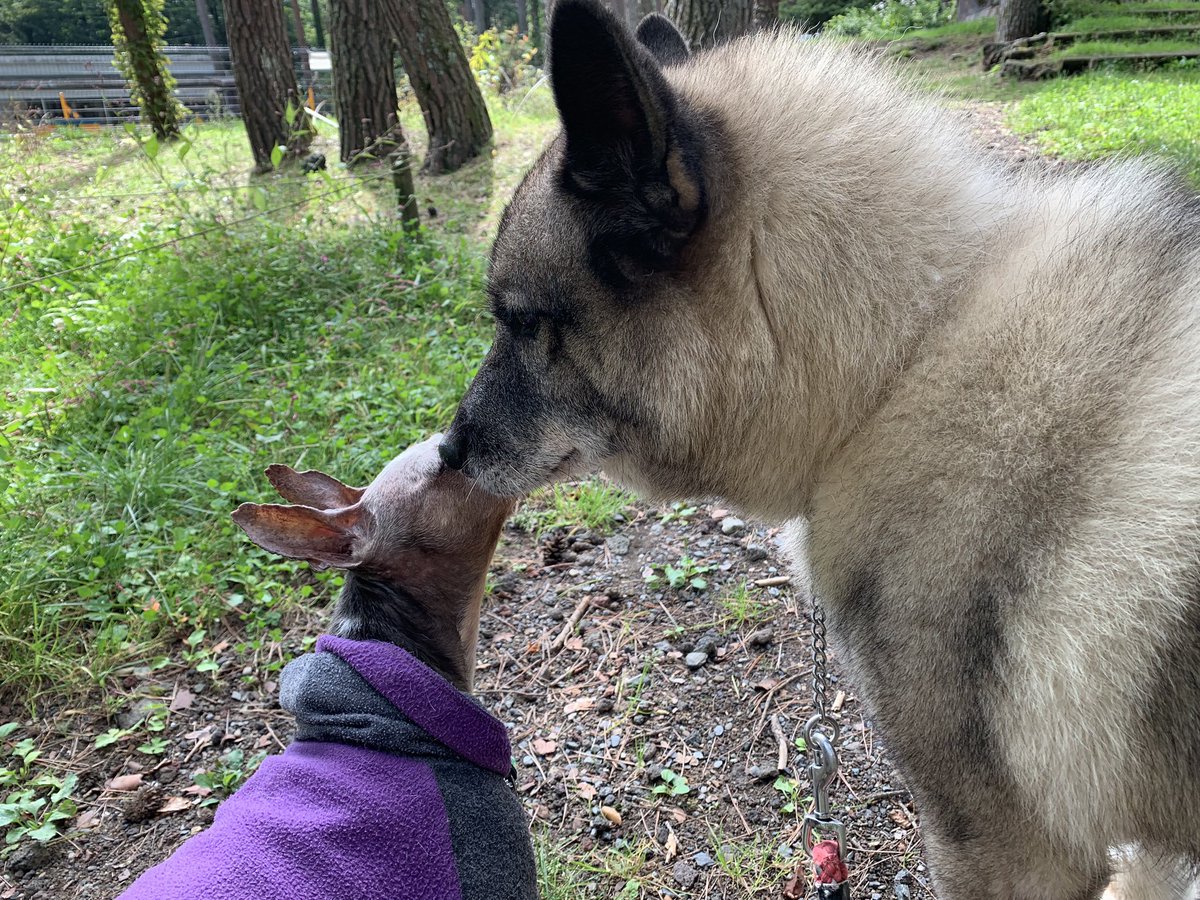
pixel 1009 861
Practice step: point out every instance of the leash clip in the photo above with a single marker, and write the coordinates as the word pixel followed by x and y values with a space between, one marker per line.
pixel 821 773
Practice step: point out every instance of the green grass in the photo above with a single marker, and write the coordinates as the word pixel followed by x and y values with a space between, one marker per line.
pixel 1109 113
pixel 231 322
pixel 1098 23
pixel 1121 48
pixel 587 504
pixel 972 28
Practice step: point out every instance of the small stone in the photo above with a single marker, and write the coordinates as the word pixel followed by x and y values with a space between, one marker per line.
pixel 31 856
pixel 684 875
pixel 718 730
pixel 763 773
pixel 762 637
pixel 702 860
pixel 527 760
pixel 636 682
pixel 732 525
pixel 708 644
pixel 756 552
pixel 695 659
pixel 604 705
pixel 135 715
pixel 618 545
pixel 784 851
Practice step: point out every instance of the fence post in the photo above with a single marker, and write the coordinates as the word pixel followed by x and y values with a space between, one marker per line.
pixel 402 179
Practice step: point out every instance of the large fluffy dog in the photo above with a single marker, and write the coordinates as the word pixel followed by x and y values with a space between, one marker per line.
pixel 771 275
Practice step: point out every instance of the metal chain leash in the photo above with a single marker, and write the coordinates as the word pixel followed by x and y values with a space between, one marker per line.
pixel 821 733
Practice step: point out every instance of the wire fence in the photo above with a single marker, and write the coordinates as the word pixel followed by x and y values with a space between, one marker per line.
pixel 81 85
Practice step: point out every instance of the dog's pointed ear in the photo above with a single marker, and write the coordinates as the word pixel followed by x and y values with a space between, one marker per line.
pixel 608 89
pixel 323 537
pixel 629 143
pixel 312 488
pixel 659 35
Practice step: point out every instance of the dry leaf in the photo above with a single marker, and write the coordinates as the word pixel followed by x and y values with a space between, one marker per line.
pixel 587 791
pixel 220 647
pixel 197 790
pixel 89 818
pixel 175 804
pixel 124 783
pixel 182 700
pixel 900 817
pixel 767 684
pixel 611 814
pixel 263 742
pixel 718 513
pixel 503 636
pixel 574 644
pixel 672 845
pixel 543 747
pixel 678 814
pixel 579 705
pixel 794 889
pixel 202 734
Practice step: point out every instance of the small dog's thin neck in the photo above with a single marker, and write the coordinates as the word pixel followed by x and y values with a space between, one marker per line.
pixel 372 608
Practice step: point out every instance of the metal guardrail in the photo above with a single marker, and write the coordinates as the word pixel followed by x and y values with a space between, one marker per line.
pixel 80 84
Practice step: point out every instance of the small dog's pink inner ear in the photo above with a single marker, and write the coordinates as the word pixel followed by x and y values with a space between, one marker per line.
pixel 312 488
pixel 300 532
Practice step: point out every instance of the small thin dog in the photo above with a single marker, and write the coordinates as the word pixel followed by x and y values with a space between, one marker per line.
pixel 396 784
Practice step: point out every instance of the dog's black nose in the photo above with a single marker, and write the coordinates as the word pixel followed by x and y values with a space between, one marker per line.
pixel 453 450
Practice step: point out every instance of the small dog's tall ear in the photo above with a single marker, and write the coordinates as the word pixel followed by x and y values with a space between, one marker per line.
pixel 324 538
pixel 312 488
pixel 659 35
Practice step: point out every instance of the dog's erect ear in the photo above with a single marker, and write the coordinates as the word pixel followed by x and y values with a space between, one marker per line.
pixel 312 488
pixel 322 537
pixel 609 90
pixel 628 144
pixel 659 35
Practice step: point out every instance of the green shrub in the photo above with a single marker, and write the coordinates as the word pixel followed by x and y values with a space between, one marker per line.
pixel 814 13
pixel 501 60
pixel 890 18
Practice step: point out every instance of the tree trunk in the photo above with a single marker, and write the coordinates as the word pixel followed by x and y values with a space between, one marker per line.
pixel 455 115
pixel 1020 19
pixel 302 44
pixel 766 13
pixel 522 17
pixel 317 28
pixel 138 27
pixel 206 26
pixel 969 10
pixel 266 81
pixel 706 23
pixel 364 80
pixel 479 8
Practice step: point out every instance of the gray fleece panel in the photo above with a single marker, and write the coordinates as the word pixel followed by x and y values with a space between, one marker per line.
pixel 332 702
pixel 488 831
pixel 488 827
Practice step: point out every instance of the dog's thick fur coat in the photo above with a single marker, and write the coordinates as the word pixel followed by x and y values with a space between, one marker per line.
pixel 770 274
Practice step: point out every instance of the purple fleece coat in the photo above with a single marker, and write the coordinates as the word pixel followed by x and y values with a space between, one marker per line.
pixel 395 789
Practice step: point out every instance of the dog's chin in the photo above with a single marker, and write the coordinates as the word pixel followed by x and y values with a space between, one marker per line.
pixel 511 481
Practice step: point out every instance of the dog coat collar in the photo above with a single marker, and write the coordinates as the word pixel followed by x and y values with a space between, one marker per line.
pixel 451 717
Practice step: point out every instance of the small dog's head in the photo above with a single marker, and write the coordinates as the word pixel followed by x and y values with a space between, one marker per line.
pixel 416 544
pixel 417 520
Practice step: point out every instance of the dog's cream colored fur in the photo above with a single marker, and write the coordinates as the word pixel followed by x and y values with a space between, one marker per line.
pixel 962 381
